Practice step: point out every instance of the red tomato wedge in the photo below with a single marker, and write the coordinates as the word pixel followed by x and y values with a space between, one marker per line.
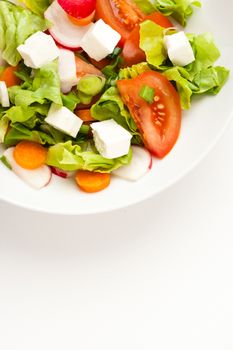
pixel 121 15
pixel 132 54
pixel 159 123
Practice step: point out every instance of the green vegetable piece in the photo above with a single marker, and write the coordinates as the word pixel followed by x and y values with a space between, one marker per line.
pixel 69 157
pixel 91 85
pixel 16 25
pixel 181 10
pixel 134 71
pixel 151 42
pixel 147 93
pixel 5 162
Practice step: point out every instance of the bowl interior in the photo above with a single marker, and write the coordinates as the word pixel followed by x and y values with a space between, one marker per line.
pixel 202 126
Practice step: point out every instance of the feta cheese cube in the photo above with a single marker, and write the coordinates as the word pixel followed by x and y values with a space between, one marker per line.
pixel 63 119
pixel 179 49
pixel 4 96
pixel 111 139
pixel 38 50
pixel 100 40
pixel 67 70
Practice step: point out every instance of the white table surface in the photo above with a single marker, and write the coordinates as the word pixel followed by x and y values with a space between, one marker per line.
pixel 158 275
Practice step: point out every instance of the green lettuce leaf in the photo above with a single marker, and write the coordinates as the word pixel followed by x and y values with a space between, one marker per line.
pixel 19 132
pixel 180 10
pixel 70 100
pixel 16 25
pixel 21 114
pixel 151 42
pixel 200 76
pixel 4 124
pixel 205 50
pixel 45 86
pixel 69 157
pixel 146 6
pixel 37 6
pixel 180 76
pixel 111 106
pixel 210 80
pixel 133 71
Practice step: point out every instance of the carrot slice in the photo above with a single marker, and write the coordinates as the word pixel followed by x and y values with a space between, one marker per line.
pixel 85 115
pixel 8 75
pixel 82 21
pixel 30 155
pixel 92 182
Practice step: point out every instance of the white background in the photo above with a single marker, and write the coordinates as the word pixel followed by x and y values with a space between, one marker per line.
pixel 158 275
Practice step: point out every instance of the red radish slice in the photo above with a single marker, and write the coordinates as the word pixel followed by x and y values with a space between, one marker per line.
pixel 37 178
pixel 78 8
pixel 62 173
pixel 141 163
pixel 63 30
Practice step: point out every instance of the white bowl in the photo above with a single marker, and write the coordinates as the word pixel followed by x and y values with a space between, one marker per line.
pixel 202 127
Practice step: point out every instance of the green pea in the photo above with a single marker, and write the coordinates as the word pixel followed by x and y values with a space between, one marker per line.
pixel 91 85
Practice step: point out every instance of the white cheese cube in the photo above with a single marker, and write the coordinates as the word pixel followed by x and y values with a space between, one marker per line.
pixel 63 119
pixel 111 139
pixel 4 96
pixel 67 70
pixel 179 49
pixel 100 40
pixel 38 50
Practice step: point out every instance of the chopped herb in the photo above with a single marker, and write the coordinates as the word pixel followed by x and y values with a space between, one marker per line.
pixel 5 162
pixel 147 93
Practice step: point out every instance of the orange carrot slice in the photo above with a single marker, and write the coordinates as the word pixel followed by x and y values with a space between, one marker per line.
pixel 92 182
pixel 85 115
pixel 8 75
pixel 30 155
pixel 82 21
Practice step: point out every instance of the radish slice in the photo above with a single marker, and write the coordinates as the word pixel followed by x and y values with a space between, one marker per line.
pixel 37 178
pixel 63 30
pixel 62 173
pixel 78 8
pixel 67 70
pixel 141 163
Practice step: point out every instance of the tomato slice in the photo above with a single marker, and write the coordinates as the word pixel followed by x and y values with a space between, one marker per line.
pixel 132 54
pixel 159 123
pixel 121 15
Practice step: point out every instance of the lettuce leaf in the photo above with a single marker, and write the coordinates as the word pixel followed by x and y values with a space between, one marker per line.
pixel 200 76
pixel 4 124
pixel 45 86
pixel 180 76
pixel 151 42
pixel 37 6
pixel 69 157
pixel 111 106
pixel 19 132
pixel 180 10
pixel 16 25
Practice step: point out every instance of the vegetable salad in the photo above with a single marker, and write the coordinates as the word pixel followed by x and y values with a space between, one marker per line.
pixel 91 89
